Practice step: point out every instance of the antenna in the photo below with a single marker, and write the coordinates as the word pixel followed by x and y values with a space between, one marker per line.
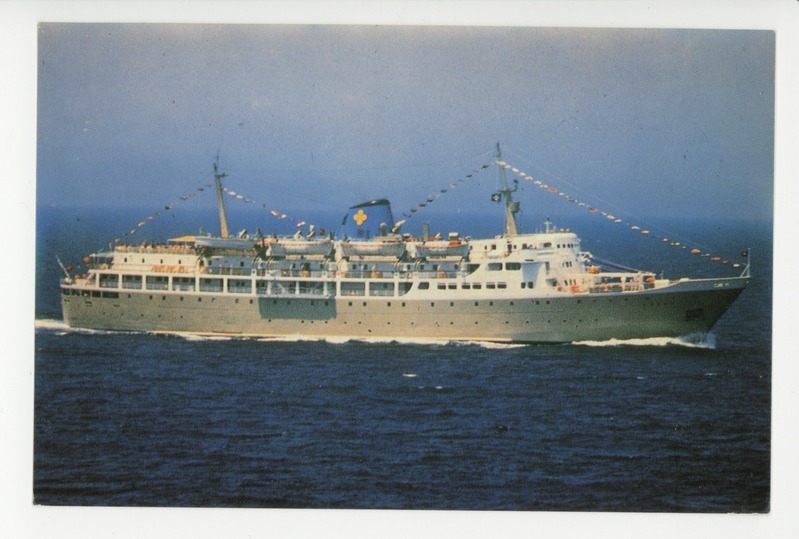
pixel 220 199
pixel 511 207
pixel 63 268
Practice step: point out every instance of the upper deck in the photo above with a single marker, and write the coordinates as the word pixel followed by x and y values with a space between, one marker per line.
pixel 522 266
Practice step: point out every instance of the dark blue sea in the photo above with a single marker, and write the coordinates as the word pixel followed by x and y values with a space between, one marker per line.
pixel 661 425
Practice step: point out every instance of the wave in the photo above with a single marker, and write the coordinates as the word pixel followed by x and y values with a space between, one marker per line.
pixel 393 340
pixel 695 340
pixel 346 340
pixel 55 325
pixel 200 338
pixel 61 328
pixel 489 345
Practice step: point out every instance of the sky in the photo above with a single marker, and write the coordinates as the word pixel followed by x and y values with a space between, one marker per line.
pixel 649 123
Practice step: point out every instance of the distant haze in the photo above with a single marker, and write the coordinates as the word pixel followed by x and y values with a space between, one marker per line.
pixel 650 123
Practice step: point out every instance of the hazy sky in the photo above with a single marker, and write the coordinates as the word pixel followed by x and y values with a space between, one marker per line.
pixel 643 122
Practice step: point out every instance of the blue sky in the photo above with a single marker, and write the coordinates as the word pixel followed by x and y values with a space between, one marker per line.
pixel 649 122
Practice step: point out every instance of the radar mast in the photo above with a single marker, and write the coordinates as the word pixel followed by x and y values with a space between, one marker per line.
pixel 220 200
pixel 511 207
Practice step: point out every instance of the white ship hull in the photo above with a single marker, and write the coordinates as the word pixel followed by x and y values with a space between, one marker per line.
pixel 684 308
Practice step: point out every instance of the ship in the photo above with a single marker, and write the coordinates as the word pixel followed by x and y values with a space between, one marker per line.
pixel 371 281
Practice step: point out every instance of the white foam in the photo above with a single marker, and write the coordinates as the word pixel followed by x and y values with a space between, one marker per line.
pixel 45 323
pixel 63 329
pixel 289 339
pixel 488 345
pixel 695 340
pixel 201 338
pixel 345 340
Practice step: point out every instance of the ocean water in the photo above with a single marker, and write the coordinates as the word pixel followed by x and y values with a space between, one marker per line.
pixel 663 425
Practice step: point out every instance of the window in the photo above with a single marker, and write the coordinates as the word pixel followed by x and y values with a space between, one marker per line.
pixel 210 285
pixel 424 285
pixel 157 283
pixel 108 280
pixel 183 283
pixel 379 289
pixel 353 289
pixel 513 266
pixel 494 266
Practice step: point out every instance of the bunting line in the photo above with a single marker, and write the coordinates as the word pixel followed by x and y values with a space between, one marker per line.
pixel 435 196
pixel 616 220
pixel 167 207
pixel 275 213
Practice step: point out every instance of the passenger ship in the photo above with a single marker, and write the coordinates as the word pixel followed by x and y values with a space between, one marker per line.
pixel 371 281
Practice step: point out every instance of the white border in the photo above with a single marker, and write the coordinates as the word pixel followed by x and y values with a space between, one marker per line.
pixel 18 42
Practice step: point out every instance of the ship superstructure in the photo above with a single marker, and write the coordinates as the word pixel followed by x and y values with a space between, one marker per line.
pixel 372 281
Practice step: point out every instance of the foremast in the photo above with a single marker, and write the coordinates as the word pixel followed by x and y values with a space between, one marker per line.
pixel 511 207
pixel 220 199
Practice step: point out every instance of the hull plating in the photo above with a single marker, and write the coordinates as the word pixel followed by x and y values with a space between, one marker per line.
pixel 691 307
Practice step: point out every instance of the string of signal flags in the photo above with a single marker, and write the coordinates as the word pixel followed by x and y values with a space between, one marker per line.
pixel 616 220
pixel 432 198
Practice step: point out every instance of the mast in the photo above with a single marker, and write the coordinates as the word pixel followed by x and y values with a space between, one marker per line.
pixel 220 201
pixel 511 207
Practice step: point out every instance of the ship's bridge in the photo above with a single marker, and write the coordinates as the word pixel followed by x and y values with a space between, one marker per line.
pixel 528 247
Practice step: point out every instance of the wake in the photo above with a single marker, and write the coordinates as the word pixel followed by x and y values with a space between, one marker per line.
pixel 695 340
pixel 698 340
pixel 61 328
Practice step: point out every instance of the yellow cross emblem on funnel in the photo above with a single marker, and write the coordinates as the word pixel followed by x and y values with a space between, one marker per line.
pixel 360 217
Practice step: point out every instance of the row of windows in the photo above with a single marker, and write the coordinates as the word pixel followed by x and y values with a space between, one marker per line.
pixel 473 286
pixel 545 245
pixel 116 295
pixel 244 286
pixel 509 266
